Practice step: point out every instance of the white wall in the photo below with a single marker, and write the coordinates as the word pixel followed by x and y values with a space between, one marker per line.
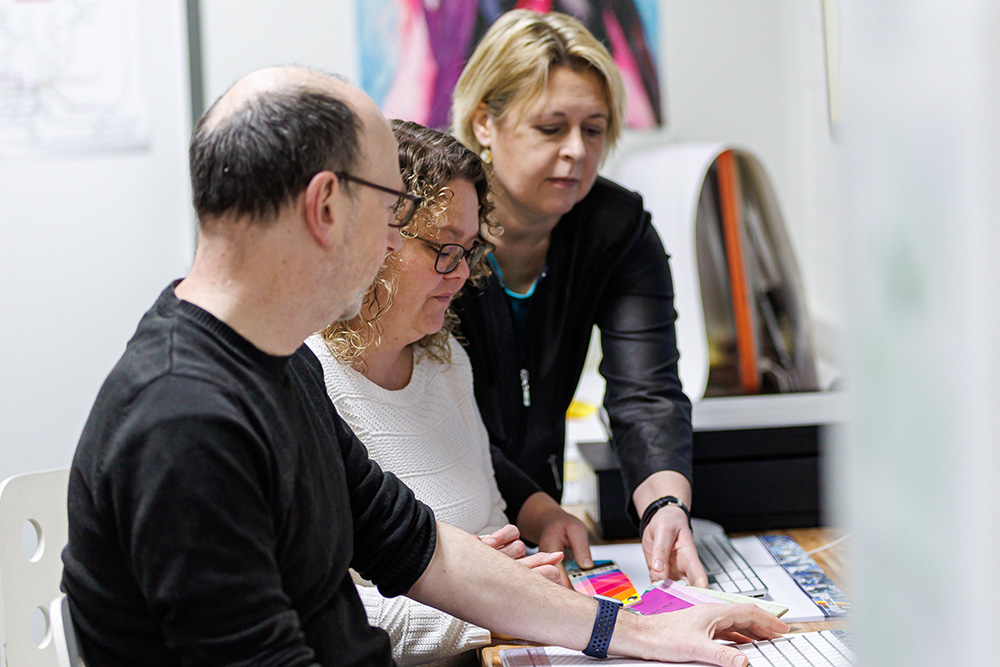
pixel 753 73
pixel 239 36
pixel 86 243
pixel 750 72
pixel 108 231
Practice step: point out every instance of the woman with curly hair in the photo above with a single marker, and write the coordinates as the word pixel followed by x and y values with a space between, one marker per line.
pixel 403 383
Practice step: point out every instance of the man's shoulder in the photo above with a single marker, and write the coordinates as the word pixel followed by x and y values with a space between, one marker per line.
pixel 172 370
pixel 167 349
pixel 148 391
pixel 306 373
pixel 336 374
pixel 147 356
pixel 306 370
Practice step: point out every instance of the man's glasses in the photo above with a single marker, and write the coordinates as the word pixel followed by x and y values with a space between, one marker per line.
pixel 404 208
pixel 449 255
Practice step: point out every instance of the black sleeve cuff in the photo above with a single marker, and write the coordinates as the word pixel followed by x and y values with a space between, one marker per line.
pixel 514 484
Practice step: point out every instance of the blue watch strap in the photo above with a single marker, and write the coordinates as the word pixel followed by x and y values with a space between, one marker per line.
pixel 604 625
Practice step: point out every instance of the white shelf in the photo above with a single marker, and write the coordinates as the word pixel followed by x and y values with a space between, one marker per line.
pixel 769 411
pixel 726 412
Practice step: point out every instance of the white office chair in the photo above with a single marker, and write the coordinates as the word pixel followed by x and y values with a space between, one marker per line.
pixel 33 532
pixel 63 634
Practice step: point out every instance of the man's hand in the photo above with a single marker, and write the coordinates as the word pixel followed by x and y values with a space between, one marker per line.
pixel 688 635
pixel 668 546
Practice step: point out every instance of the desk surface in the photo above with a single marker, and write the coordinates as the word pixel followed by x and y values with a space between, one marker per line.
pixel 832 561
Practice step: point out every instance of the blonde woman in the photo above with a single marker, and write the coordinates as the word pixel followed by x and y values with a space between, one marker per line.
pixel 542 102
pixel 403 383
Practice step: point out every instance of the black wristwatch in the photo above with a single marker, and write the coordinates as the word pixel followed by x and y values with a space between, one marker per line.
pixel 656 505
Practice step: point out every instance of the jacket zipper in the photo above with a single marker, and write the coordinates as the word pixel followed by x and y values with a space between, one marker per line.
pixel 525 388
pixel 553 461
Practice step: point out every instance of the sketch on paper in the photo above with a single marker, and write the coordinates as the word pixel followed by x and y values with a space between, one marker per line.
pixel 70 76
pixel 413 51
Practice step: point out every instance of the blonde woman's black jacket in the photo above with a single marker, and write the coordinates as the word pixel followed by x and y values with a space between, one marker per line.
pixel 607 267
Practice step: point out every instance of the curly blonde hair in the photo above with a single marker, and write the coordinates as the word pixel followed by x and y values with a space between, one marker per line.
pixel 429 160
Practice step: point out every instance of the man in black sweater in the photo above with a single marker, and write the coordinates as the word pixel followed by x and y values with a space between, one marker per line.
pixel 216 499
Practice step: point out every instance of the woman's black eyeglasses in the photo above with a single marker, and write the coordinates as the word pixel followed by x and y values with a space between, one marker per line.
pixel 449 255
pixel 403 209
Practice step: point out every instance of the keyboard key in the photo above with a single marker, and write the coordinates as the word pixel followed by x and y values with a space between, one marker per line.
pixel 727 570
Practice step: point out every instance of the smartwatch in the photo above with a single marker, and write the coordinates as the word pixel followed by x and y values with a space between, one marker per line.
pixel 604 625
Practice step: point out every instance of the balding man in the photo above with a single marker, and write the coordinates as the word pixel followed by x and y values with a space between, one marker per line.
pixel 207 525
pixel 216 500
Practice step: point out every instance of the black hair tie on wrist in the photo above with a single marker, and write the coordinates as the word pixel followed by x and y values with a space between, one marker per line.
pixel 656 505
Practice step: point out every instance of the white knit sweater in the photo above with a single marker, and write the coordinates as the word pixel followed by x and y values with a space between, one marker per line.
pixel 430 435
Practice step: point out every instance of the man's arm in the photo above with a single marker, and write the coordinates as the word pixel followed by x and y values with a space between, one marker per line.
pixel 393 532
pixel 469 580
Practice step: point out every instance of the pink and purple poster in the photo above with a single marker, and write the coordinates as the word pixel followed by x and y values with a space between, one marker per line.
pixel 413 51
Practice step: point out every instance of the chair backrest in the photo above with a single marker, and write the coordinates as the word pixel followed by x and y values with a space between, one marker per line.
pixel 33 532
pixel 63 634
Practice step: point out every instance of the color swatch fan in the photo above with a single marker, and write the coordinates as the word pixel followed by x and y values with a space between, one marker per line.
pixel 605 579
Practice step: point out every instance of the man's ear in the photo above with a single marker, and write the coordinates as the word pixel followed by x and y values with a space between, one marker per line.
pixel 482 124
pixel 320 212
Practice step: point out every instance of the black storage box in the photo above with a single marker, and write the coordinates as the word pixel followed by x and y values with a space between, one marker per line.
pixel 746 479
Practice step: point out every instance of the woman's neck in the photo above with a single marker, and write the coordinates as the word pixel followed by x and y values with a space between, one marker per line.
pixel 523 246
pixel 388 365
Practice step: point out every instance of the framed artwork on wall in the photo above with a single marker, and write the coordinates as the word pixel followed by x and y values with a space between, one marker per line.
pixel 413 51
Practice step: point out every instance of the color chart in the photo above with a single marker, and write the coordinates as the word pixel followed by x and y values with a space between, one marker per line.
pixel 605 579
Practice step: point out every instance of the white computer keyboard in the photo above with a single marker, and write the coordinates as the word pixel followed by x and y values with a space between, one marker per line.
pixel 825 648
pixel 727 570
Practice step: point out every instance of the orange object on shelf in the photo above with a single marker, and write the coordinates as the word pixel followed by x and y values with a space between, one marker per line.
pixel 729 200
